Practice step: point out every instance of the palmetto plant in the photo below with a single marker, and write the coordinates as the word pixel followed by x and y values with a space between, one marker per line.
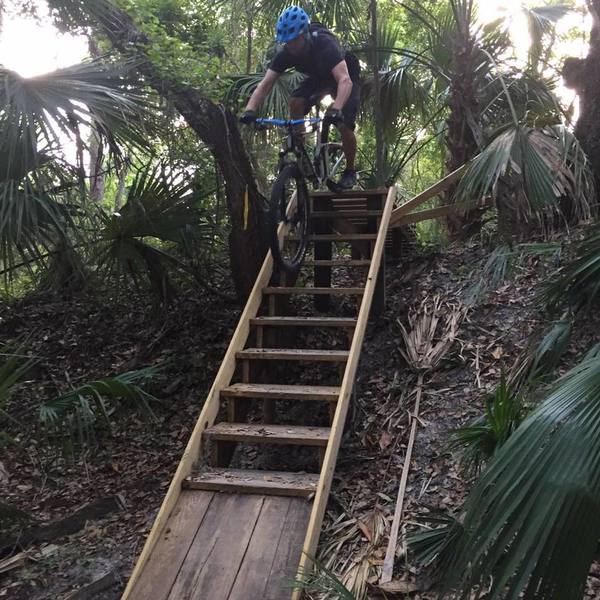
pixel 532 520
pixel 40 194
pixel 76 415
pixel 480 440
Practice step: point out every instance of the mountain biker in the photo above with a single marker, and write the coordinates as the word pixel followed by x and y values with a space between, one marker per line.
pixel 315 51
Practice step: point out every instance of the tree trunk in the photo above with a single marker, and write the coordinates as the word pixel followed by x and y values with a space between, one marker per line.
pixel 217 128
pixel 249 30
pixel 96 174
pixel 583 76
pixel 379 159
pixel 464 120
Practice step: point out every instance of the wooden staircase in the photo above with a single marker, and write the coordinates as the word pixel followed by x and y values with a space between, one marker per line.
pixel 229 530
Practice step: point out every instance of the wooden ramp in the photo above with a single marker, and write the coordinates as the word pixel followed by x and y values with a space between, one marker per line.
pixel 230 528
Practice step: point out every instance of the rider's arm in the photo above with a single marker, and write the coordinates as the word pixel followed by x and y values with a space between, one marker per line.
pixel 262 89
pixel 344 84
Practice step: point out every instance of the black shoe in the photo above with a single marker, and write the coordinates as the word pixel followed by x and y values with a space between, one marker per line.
pixel 347 180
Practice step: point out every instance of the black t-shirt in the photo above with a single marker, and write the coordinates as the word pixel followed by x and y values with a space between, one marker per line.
pixel 323 55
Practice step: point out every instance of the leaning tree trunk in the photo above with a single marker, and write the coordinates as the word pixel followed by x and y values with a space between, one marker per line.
pixel 583 76
pixel 216 127
pixel 464 119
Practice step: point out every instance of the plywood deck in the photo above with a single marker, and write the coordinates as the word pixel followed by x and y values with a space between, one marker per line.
pixel 222 546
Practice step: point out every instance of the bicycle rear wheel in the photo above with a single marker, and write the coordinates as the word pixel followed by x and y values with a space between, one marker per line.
pixel 288 251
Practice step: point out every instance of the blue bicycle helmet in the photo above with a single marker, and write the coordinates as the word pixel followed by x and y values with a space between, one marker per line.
pixel 292 23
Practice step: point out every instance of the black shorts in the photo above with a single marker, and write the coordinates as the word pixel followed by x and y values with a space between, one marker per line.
pixel 313 91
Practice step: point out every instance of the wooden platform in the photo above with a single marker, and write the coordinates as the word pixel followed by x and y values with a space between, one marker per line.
pixel 219 546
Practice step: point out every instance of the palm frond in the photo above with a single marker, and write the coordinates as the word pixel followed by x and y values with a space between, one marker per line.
pixel 576 286
pixel 533 518
pixel 95 94
pixel 321 580
pixel 77 414
pixel 480 440
pixel 541 21
pixel 538 158
pixel 277 102
pixel 161 206
pixel 436 544
pixel 14 364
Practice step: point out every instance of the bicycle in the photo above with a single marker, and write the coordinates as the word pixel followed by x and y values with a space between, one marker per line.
pixel 295 169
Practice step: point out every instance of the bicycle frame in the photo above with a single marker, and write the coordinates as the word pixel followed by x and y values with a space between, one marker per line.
pixel 318 170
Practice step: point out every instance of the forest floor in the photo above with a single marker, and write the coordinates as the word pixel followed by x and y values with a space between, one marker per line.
pixel 126 477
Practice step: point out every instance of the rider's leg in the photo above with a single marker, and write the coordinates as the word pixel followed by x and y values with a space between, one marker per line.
pixel 297 107
pixel 348 145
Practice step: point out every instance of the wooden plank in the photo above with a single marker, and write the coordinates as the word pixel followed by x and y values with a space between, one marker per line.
pixel 293 354
pixel 303 321
pixel 260 433
pixel 337 428
pixel 345 214
pixel 351 193
pixel 333 291
pixel 440 211
pixel 338 263
pixel 289 551
pixel 322 251
pixel 218 548
pixel 340 237
pixel 282 392
pixel 170 551
pixel 431 192
pixel 207 417
pixel 249 481
pixel 252 577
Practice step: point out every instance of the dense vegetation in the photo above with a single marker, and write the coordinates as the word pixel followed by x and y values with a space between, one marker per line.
pixel 128 173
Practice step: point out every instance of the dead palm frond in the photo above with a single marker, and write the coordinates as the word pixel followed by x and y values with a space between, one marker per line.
pixel 432 331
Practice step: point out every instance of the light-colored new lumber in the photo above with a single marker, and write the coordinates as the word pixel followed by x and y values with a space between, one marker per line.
pixel 293 354
pixel 322 493
pixel 304 321
pixel 390 555
pixel 431 192
pixel 316 291
pixel 282 392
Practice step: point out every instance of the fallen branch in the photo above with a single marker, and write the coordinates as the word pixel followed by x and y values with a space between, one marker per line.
pixel 67 526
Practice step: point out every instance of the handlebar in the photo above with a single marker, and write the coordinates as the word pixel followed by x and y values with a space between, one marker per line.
pixel 287 122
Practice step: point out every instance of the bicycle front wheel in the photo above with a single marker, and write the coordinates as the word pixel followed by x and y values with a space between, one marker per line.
pixel 289 250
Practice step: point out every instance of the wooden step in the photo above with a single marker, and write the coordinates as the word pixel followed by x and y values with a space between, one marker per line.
pixel 316 291
pixel 259 433
pixel 304 321
pixel 337 263
pixel 282 392
pixel 351 194
pixel 293 354
pixel 340 237
pixel 344 214
pixel 277 483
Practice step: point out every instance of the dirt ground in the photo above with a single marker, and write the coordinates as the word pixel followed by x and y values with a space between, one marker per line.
pixel 91 337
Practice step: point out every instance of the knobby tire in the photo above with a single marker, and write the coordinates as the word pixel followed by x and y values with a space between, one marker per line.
pixel 276 216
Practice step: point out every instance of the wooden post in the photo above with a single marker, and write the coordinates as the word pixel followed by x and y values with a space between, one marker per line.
pixel 378 306
pixel 323 251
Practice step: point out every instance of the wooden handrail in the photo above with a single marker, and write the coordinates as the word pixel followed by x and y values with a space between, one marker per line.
pixel 431 192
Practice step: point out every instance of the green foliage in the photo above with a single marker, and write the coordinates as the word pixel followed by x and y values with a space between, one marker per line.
pixel 576 285
pixel 532 519
pixel 436 544
pixel 478 442
pixel 75 416
pixel 13 366
pixel 322 580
